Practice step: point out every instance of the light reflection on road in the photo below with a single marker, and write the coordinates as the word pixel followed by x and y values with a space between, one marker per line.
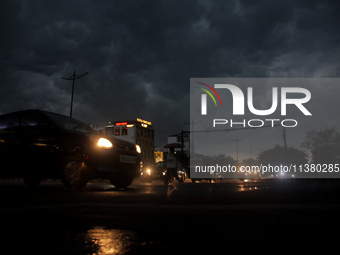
pixel 247 185
pixel 108 241
pixel 158 189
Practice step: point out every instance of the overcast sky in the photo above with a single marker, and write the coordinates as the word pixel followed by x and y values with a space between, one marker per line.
pixel 140 55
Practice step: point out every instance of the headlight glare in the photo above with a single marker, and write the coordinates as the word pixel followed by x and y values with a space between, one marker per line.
pixel 104 143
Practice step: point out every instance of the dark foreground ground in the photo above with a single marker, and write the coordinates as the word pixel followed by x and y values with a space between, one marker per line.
pixel 150 218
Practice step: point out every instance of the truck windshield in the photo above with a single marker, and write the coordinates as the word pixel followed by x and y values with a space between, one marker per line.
pixel 70 124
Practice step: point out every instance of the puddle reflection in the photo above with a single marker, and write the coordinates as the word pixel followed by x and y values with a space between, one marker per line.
pixel 246 188
pixel 109 241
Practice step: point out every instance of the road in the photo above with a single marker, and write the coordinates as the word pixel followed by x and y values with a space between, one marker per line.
pixel 150 218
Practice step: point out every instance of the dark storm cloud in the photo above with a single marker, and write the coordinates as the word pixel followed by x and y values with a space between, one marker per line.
pixel 141 54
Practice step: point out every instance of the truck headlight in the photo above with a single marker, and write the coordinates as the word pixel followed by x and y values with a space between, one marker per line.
pixel 104 143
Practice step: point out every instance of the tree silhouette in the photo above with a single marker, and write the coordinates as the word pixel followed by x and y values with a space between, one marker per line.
pixel 281 155
pixel 323 144
pixel 316 138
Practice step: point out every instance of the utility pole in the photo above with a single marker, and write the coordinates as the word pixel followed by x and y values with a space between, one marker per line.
pixel 236 140
pixel 73 78
pixel 284 136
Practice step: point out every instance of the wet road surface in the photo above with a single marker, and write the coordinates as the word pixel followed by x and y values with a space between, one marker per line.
pixel 150 218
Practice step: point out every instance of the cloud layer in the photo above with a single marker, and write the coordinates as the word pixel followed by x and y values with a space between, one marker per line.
pixel 140 55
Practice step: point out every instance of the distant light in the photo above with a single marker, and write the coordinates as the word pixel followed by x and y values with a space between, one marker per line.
pixel 138 149
pixel 144 121
pixel 121 123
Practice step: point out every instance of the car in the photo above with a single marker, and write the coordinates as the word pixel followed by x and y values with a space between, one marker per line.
pixel 37 145
pixel 158 171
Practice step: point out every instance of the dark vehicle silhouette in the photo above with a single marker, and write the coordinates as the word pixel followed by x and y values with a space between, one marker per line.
pixel 158 172
pixel 36 145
